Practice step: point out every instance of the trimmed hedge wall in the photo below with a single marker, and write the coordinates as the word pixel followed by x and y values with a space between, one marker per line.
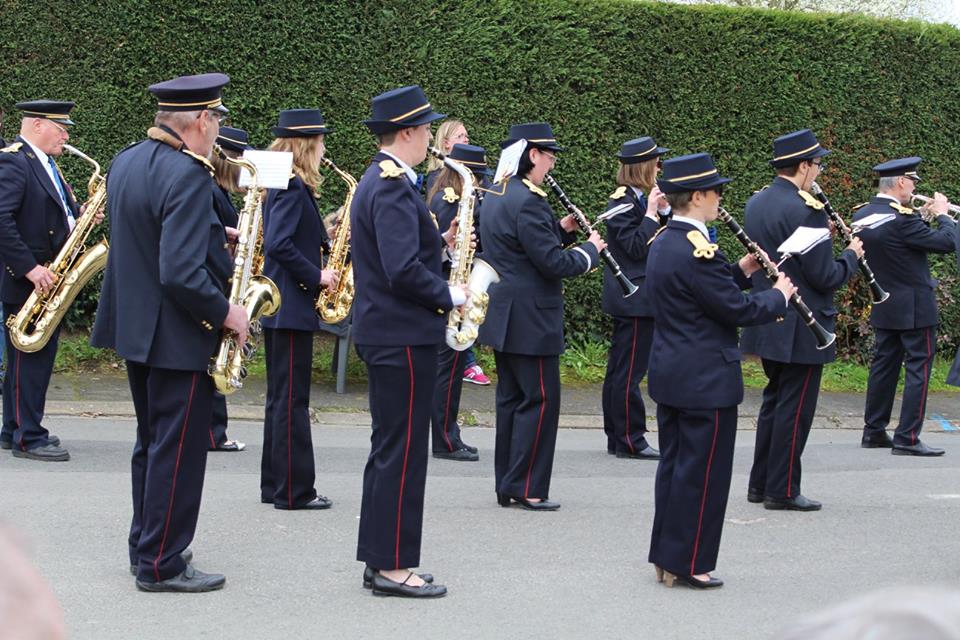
pixel 696 77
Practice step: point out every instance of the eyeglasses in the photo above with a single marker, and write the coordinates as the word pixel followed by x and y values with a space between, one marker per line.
pixel 718 190
pixel 819 164
pixel 60 127
pixel 219 117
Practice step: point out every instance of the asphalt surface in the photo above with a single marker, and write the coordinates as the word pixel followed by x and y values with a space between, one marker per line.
pixel 580 572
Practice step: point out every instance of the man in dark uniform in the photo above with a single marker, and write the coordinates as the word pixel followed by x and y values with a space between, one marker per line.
pixel 523 242
pixel 628 239
pixel 953 377
pixel 791 360
pixel 695 375
pixel 37 212
pixel 161 308
pixel 905 326
pixel 399 315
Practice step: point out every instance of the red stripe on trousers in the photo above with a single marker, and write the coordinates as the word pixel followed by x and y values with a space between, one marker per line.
pixel 446 411
pixel 17 394
pixel 536 441
pixel 796 423
pixel 923 396
pixel 706 483
pixel 406 455
pixel 290 428
pixel 173 488
pixel 626 402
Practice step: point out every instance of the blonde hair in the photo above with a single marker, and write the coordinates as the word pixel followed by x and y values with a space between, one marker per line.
pixel 447 178
pixel 304 150
pixel 444 133
pixel 227 175
pixel 639 174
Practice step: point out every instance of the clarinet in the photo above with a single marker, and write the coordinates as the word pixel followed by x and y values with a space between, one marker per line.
pixel 824 338
pixel 876 291
pixel 628 287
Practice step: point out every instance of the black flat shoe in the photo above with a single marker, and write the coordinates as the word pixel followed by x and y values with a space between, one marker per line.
pixel 460 455
pixel 266 500
pixel 46 453
pixel 799 503
pixel 876 441
pixel 468 447
pixel 754 496
pixel 542 505
pixel 648 453
pixel 190 581
pixel 383 586
pixel 320 502
pixel 7 445
pixel 368 572
pixel 919 449
pixel 670 579
pixel 186 555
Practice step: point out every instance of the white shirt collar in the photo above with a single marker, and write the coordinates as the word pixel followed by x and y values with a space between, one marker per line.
pixel 411 174
pixel 697 223
pixel 637 192
pixel 887 195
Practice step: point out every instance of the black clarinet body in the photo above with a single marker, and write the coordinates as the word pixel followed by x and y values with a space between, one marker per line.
pixel 628 287
pixel 823 337
pixel 877 294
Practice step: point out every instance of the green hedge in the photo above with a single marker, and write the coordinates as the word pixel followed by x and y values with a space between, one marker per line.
pixel 696 77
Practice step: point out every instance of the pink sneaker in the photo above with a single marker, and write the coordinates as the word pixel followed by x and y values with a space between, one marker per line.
pixel 475 375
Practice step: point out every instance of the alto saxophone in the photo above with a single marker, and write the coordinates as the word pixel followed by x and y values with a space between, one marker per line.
pixel 465 270
pixel 333 304
pixel 75 265
pixel 249 287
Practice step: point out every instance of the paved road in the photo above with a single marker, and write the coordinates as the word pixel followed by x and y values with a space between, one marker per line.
pixel 580 572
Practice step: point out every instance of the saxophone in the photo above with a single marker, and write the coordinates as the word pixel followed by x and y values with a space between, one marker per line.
pixel 333 305
pixel 249 287
pixel 476 274
pixel 76 263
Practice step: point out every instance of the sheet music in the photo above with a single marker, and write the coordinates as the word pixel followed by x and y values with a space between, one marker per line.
pixel 509 160
pixel 872 221
pixel 273 168
pixel 802 240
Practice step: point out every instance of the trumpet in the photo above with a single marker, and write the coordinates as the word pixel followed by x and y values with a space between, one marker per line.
pixel 925 211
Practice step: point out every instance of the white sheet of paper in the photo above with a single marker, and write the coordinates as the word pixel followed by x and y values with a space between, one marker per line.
pixel 273 168
pixel 509 160
pixel 802 240
pixel 872 221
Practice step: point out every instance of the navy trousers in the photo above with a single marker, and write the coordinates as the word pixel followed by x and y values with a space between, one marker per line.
pixel 446 399
pixel 25 390
pixel 914 351
pixel 528 413
pixel 218 423
pixel 693 482
pixel 168 464
pixel 400 383
pixel 789 402
pixel 624 414
pixel 287 471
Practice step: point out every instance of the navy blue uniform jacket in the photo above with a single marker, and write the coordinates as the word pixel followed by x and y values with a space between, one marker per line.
pixel 293 240
pixel 33 225
pixel 162 303
pixel 698 303
pixel 402 297
pixel 897 253
pixel 523 241
pixel 771 216
pixel 224 207
pixel 628 237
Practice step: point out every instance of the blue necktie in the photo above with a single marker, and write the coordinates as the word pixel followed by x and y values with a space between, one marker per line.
pixel 63 195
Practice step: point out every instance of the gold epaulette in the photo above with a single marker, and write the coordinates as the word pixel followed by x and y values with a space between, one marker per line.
pixel 534 188
pixel 809 200
pixel 702 248
pixel 902 209
pixel 206 163
pixel 654 237
pixel 619 193
pixel 389 169
pixel 860 206
pixel 13 148
pixel 449 195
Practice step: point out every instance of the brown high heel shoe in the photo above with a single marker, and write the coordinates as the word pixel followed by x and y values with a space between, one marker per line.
pixel 659 573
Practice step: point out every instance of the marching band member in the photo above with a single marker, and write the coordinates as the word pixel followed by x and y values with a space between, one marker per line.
pixel 791 360
pixel 444 202
pixel 628 238
pixel 695 375
pixel 905 326
pixel 37 213
pixel 294 238
pixel 399 317
pixel 523 242
pixel 161 307
pixel 953 377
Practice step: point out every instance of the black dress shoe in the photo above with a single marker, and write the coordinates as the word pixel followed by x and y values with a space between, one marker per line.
pixel 368 572
pixel 46 453
pixel 502 500
pixel 648 453
pixel 919 449
pixel 468 447
pixel 876 440
pixel 186 555
pixel 190 581
pixel 712 583
pixel 320 502
pixel 460 455
pixel 799 503
pixel 383 586
pixel 266 500
pixel 755 496
pixel 7 445
pixel 542 505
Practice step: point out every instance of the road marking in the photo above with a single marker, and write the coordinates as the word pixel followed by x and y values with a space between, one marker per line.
pixel 752 521
pixel 944 496
pixel 945 424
